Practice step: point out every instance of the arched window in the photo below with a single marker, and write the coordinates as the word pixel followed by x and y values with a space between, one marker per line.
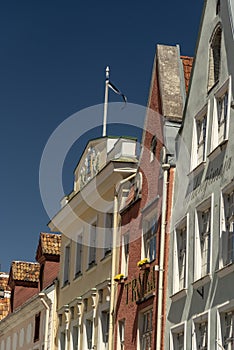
pixel 214 57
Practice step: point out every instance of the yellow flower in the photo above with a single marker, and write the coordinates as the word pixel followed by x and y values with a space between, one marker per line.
pixel 142 262
pixel 118 277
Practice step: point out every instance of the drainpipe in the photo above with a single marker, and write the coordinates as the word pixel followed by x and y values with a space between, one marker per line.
pixel 114 262
pixel 165 167
pixel 47 310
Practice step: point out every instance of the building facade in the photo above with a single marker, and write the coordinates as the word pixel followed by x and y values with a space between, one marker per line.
pixel 141 283
pixel 200 306
pixel 87 219
pixel 31 323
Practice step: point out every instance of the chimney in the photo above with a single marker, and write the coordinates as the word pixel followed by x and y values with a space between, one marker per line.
pixel 48 256
pixel 4 295
pixel 23 281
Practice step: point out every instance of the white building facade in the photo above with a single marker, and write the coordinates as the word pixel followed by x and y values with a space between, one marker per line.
pixel 200 305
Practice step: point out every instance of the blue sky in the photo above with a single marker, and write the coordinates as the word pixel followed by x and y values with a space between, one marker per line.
pixel 53 56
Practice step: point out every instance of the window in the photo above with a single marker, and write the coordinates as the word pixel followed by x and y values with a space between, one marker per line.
pixel 203 221
pixel 221 115
pixel 227 228
pixel 75 337
pixel 92 246
pixel 226 329
pixel 121 330
pixel 125 254
pixel 218 7
pixel 201 138
pixel 180 256
pixel 178 338
pixel 79 255
pixel 214 57
pixel 146 328
pixel 149 236
pixel 108 233
pixel 37 327
pixel 66 265
pixel 89 333
pixel 153 148
pixel 62 341
pixel 200 332
pixel 105 326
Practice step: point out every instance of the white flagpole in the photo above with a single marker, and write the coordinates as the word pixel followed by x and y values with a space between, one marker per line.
pixel 106 102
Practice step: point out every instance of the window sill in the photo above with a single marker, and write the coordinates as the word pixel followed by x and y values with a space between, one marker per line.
pixel 212 87
pixel 217 150
pixel 77 275
pixel 179 295
pixel 106 257
pixel 66 284
pixel 201 281
pixel 91 266
pixel 225 270
pixel 200 167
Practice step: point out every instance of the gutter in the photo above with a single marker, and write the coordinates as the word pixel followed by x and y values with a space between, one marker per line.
pixel 114 262
pixel 165 167
pixel 47 310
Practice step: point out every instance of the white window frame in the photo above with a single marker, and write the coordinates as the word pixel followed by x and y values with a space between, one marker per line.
pixel 226 222
pixel 216 138
pixel 79 245
pixel 202 208
pixel 203 114
pixel 198 321
pixel 183 224
pixel 151 242
pixel 102 343
pixel 74 324
pixel 125 253
pixel 67 264
pixel 88 318
pixel 121 334
pixel 143 334
pixel 222 310
pixel 174 332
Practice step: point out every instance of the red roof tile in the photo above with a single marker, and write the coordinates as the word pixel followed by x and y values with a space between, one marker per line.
pixel 187 65
pixel 25 271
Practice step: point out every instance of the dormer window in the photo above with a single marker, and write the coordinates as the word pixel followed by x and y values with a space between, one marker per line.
pixel 214 57
pixel 153 148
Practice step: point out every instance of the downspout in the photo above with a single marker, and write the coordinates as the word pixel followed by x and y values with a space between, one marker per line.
pixel 114 262
pixel 47 310
pixel 165 168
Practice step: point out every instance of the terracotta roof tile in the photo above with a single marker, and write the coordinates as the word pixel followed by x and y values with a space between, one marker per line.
pixel 25 271
pixel 187 65
pixel 50 243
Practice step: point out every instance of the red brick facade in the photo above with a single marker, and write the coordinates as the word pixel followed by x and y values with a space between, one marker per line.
pixel 138 291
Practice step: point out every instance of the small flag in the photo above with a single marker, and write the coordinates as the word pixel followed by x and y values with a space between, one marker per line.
pixel 117 91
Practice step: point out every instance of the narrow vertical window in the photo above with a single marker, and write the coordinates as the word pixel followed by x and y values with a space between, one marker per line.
pixel 147 328
pixel 105 326
pixel 89 333
pixel 205 241
pixel 121 334
pixel 149 234
pixel 108 233
pixel 125 253
pixel 79 255
pixel 92 247
pixel 214 58
pixel 66 264
pixel 37 327
pixel 201 124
